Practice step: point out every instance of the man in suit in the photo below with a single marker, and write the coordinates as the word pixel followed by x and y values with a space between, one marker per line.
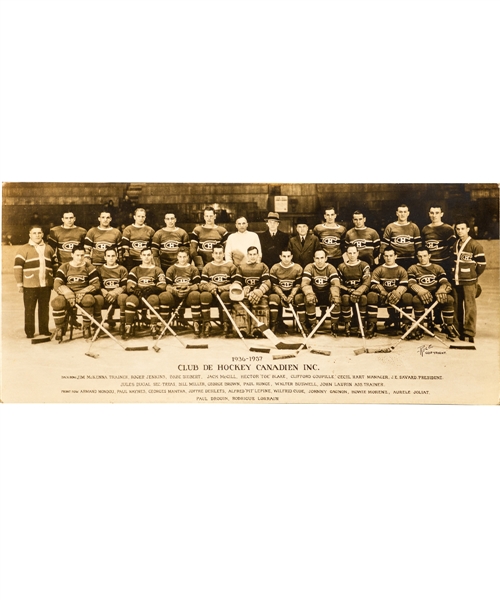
pixel 273 241
pixel 303 245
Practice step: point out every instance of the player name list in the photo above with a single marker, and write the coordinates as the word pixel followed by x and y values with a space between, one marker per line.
pixel 245 383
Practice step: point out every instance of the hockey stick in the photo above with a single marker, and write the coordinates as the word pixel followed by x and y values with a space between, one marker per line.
pixel 404 336
pixel 297 320
pixel 91 318
pixel 236 328
pixel 96 334
pixel 269 334
pixel 155 312
pixel 361 328
pixel 156 348
pixel 433 335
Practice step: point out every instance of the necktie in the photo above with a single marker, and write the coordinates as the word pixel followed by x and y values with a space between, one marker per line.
pixel 302 240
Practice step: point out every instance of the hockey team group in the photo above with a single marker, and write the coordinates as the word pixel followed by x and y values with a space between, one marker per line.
pixel 327 274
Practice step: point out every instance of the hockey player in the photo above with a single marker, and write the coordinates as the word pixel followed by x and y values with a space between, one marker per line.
pixel 183 283
pixel 439 239
pixel 366 239
pixel 136 237
pixel 403 237
pixel 145 281
pixel 321 287
pixel 355 280
pixel 238 243
pixel 167 241
pixel 389 286
pixel 285 279
pixel 100 238
pixel 65 237
pixel 427 282
pixel 253 276
pixel 331 236
pixel 216 279
pixel 113 287
pixel 205 237
pixel 75 283
pixel 469 263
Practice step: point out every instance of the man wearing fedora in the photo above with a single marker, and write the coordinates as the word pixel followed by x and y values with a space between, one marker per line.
pixel 272 241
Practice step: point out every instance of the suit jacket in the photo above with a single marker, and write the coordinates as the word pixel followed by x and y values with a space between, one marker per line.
pixel 273 246
pixel 303 255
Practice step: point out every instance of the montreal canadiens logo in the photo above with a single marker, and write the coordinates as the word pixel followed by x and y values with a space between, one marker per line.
pixel 402 239
pixel 428 279
pixel 432 244
pixel 111 284
pixel 251 281
pixel 359 243
pixel 182 281
pixel 321 281
pixel 77 279
pixel 68 246
pixel 103 246
pixel 145 281
pixel 208 246
pixel 354 283
pixel 220 278
pixel 139 245
pixel 286 284
pixel 465 256
pixel 172 245
pixel 390 283
pixel 331 241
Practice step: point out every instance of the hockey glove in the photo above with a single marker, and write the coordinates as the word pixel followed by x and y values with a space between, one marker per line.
pixel 394 297
pixel 311 299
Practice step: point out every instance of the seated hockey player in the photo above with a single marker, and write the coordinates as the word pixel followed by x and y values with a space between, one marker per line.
pixel 75 283
pixel 216 279
pixel 253 277
pixel 183 285
pixel 389 286
pixel 428 282
pixel 321 287
pixel 113 288
pixel 145 281
pixel 355 279
pixel 285 278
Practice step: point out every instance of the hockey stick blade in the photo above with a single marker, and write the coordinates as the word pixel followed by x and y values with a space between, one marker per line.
pixel 41 340
pixel 191 346
pixel 324 352
pixel 280 356
pixel 373 350
pixel 259 349
pixel 453 347
pixel 136 348
pixel 285 346
pixel 92 355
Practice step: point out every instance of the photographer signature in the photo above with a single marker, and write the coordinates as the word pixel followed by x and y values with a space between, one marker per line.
pixel 424 348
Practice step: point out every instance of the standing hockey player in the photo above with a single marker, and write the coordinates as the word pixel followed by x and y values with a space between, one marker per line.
pixel 145 281
pixel 183 283
pixel 403 237
pixel 253 277
pixel 135 238
pixel 389 286
pixel 75 283
pixel 470 262
pixel 321 287
pixel 113 288
pixel 285 279
pixel 331 236
pixel 167 241
pixel 65 237
pixel 100 238
pixel 439 239
pixel 355 280
pixel 366 239
pixel 205 237
pixel 427 282
pixel 216 279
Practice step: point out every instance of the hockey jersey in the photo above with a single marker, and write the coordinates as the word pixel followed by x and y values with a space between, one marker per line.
pixel 220 275
pixel 353 276
pixel 147 276
pixel 136 238
pixel 366 240
pixel 206 238
pixel 178 275
pixel 113 277
pixel 405 239
pixel 319 279
pixel 469 262
pixel 439 240
pixel 431 277
pixel 64 239
pixel 389 278
pixel 99 240
pixel 331 239
pixel 286 278
pixel 167 243
pixel 76 278
pixel 253 275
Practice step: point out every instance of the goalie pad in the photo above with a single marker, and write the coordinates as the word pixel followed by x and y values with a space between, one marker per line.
pixel 241 318
pixel 262 313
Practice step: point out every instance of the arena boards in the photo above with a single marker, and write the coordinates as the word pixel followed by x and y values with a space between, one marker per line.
pixel 326 369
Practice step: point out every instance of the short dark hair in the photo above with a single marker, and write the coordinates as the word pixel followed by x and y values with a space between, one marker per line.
pixel 358 212
pixel 352 246
pixel 209 208
pixel 463 222
pixel 146 248
pixel 217 246
pixel 139 208
pixel 319 250
pixel 35 226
